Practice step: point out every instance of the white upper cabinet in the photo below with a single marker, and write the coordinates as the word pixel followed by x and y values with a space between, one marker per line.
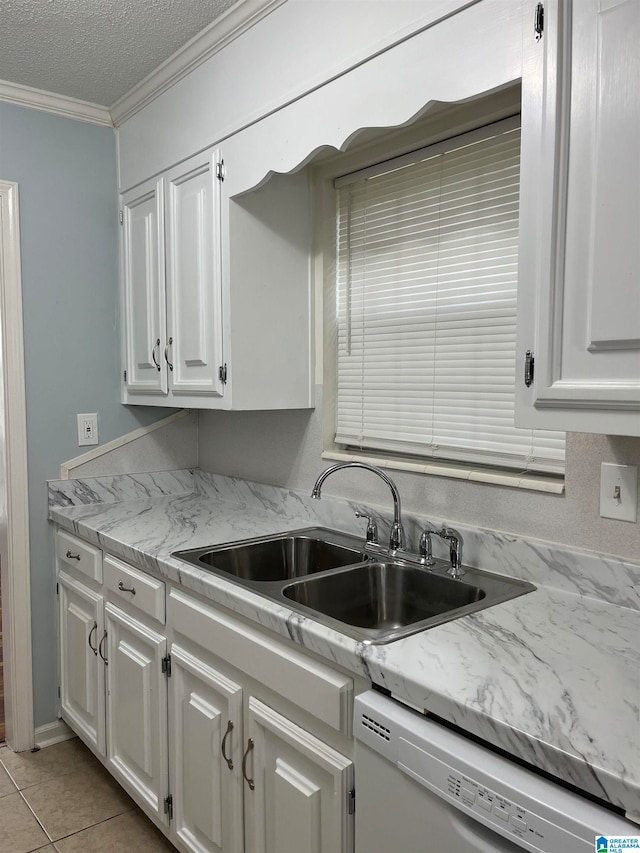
pixel 172 287
pixel 579 304
pixel 209 327
pixel 144 288
pixel 193 270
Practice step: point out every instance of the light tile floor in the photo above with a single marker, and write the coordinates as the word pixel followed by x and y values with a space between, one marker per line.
pixel 62 799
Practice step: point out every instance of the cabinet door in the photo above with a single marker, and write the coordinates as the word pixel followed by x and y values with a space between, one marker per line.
pixel 137 708
pixel 579 299
pixel 82 697
pixel 194 291
pixel 205 743
pixel 301 799
pixel 144 289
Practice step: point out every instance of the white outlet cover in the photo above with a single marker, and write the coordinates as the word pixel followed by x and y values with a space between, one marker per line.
pixel 87 429
pixel 619 491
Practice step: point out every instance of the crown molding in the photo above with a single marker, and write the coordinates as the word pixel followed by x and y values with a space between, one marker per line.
pixel 221 32
pixel 38 99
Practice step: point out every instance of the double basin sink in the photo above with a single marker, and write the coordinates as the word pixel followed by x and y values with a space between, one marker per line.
pixel 328 576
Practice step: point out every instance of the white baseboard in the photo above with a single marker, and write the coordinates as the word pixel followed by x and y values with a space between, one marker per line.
pixel 52 733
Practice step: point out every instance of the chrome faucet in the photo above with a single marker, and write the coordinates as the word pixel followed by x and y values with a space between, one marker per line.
pixel 396 538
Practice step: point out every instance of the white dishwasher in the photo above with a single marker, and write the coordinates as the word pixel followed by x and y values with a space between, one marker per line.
pixel 422 788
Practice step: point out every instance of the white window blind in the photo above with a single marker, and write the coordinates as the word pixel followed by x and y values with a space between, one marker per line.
pixel 427 251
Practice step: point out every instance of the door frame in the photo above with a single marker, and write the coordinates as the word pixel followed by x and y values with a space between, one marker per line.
pixel 14 538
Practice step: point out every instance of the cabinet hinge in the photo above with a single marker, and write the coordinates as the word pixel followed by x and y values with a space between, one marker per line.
pixel 57 589
pixel 168 806
pixel 121 217
pixel 166 666
pixel 220 170
pixel 529 362
pixel 124 374
pixel 351 801
pixel 58 691
pixel 538 21
pixel 222 374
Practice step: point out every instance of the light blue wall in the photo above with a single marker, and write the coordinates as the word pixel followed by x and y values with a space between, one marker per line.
pixel 66 171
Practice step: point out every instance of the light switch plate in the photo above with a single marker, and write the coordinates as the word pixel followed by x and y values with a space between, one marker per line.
pixel 619 491
pixel 87 429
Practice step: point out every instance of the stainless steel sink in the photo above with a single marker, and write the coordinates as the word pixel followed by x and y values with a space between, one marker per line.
pixel 384 601
pixel 278 558
pixel 328 576
pixel 384 595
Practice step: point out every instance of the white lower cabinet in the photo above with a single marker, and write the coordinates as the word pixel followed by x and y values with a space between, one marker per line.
pixel 136 707
pixel 229 738
pixel 278 790
pixel 205 742
pixel 82 695
pixel 245 775
pixel 112 657
pixel 301 797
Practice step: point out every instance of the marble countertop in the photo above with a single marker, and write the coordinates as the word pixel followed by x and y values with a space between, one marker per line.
pixel 552 678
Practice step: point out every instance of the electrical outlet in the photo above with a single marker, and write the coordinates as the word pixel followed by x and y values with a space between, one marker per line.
pixel 619 491
pixel 87 429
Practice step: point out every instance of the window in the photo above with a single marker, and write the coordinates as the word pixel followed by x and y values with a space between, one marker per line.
pixel 427 260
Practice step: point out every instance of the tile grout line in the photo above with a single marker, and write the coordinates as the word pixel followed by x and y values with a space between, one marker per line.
pixel 70 834
pixel 40 824
pixel 26 802
pixel 50 842
pixel 8 772
pixel 91 826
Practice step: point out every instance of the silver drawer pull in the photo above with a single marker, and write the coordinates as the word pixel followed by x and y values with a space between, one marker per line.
pixel 104 637
pixel 224 743
pixel 124 588
pixel 249 782
pixel 93 648
pixel 153 353
pixel 166 354
pixel 71 556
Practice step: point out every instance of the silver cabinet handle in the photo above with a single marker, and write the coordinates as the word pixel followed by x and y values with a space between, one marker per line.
pixel 249 782
pixel 104 637
pixel 71 556
pixel 153 353
pixel 124 588
pixel 93 648
pixel 166 357
pixel 224 742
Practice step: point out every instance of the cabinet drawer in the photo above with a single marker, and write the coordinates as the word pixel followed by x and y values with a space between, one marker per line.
pixel 296 676
pixel 135 587
pixel 83 557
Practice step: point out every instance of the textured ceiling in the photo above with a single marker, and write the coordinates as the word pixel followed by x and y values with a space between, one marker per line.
pixel 95 50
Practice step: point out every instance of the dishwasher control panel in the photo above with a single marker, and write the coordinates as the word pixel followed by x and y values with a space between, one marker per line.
pixel 476 796
pixel 489 805
pixel 534 813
